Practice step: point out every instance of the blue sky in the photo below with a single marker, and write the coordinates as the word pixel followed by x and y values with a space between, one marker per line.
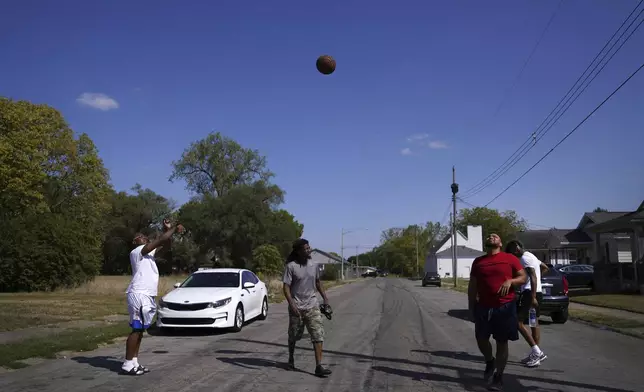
pixel 174 71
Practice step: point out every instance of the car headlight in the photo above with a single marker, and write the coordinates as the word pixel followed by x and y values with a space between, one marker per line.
pixel 220 303
pixel 162 304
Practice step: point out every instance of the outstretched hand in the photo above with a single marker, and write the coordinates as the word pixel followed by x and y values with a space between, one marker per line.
pixel 166 225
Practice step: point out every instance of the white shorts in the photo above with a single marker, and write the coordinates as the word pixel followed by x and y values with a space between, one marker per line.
pixel 142 309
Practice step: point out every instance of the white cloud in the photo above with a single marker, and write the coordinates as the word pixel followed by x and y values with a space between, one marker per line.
pixel 435 145
pixel 417 137
pixel 406 151
pixel 97 101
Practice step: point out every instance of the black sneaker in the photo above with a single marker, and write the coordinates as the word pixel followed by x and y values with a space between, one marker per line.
pixel 144 369
pixel 321 371
pixel 497 383
pixel 135 371
pixel 489 369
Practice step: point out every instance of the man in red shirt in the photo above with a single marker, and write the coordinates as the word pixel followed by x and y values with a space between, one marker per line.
pixel 492 304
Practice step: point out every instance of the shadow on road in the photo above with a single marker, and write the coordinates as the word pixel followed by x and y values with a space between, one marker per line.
pixel 468 378
pixel 253 363
pixel 464 314
pixel 109 363
pixel 463 356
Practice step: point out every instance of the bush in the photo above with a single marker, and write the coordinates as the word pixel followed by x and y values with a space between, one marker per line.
pixel 43 252
pixel 331 272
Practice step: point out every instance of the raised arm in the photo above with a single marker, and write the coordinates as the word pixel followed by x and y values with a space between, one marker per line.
pixel 169 230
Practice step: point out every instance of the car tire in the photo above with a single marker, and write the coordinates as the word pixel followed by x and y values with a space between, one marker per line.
pixel 424 285
pixel 264 314
pixel 239 318
pixel 439 285
pixel 560 317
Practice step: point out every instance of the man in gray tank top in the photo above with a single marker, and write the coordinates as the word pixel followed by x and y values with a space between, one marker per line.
pixel 301 284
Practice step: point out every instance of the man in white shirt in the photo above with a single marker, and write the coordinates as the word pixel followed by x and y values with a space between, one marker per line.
pixel 141 293
pixel 531 297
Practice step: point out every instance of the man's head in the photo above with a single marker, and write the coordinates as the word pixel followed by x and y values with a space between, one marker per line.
pixel 301 251
pixel 140 239
pixel 515 247
pixel 493 242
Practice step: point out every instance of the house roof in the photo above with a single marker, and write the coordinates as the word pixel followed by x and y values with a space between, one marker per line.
pixel 599 217
pixel 444 240
pixel 552 238
pixel 619 223
pixel 461 251
pixel 339 260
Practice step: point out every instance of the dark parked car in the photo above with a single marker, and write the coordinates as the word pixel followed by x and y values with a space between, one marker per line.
pixel 431 279
pixel 555 296
pixel 578 275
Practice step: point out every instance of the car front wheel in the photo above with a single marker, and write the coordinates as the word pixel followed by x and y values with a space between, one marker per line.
pixel 239 318
pixel 264 313
pixel 560 317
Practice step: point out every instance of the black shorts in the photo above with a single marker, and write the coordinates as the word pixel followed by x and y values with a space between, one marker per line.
pixel 501 323
pixel 525 303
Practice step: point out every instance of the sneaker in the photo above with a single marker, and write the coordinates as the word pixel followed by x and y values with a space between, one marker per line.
pixel 497 383
pixel 134 371
pixel 321 371
pixel 489 369
pixel 526 359
pixel 535 359
pixel 291 364
pixel 144 369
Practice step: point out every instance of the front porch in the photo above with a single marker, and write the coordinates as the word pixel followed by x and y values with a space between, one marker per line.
pixel 620 275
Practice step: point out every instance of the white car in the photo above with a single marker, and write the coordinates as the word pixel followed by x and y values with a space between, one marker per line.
pixel 214 298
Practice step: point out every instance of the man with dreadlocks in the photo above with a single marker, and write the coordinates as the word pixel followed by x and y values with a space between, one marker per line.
pixel 301 284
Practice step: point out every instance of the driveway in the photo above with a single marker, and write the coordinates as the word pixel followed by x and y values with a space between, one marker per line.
pixel 386 335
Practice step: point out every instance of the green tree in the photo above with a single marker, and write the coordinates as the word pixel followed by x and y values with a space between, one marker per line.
pixel 599 209
pixel 506 224
pixel 48 176
pixel 267 260
pixel 129 214
pixel 216 164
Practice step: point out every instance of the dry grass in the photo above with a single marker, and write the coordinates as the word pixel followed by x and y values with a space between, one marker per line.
pixel 105 296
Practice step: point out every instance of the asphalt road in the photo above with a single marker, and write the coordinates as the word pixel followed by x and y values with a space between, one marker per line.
pixel 386 335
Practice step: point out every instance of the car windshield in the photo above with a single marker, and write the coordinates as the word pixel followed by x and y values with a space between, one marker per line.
pixel 212 279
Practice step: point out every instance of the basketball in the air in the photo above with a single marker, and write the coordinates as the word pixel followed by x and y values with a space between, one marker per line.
pixel 325 64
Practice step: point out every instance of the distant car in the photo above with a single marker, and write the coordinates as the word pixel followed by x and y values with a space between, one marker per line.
pixel 383 273
pixel 579 275
pixel 214 298
pixel 370 274
pixel 431 279
pixel 555 296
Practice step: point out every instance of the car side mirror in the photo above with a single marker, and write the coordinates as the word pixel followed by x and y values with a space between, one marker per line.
pixel 249 285
pixel 177 285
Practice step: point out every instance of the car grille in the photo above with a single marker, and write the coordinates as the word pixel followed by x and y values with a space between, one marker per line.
pixel 188 307
pixel 187 321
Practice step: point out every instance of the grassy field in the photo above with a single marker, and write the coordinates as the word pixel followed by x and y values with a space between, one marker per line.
pixel 105 296
pixel 630 302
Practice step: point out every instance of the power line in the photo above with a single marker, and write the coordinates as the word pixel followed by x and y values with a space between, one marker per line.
pixel 527 61
pixel 568 134
pixel 520 152
pixel 538 136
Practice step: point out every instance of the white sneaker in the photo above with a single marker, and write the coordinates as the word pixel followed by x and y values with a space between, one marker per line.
pixel 535 359
pixel 526 359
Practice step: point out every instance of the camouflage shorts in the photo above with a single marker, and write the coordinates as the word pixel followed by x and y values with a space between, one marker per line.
pixel 311 319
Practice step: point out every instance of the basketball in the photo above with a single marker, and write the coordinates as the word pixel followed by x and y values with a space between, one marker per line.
pixel 325 64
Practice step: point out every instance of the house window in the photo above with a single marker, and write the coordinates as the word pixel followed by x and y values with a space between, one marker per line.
pixel 572 255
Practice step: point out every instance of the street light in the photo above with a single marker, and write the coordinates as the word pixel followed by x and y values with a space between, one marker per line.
pixel 347 231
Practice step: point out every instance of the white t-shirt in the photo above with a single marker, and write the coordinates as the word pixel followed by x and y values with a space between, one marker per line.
pixel 145 274
pixel 528 260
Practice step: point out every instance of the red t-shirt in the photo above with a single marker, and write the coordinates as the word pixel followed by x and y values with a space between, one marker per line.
pixel 490 272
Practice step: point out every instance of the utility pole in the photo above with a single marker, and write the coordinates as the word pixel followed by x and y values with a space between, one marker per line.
pixel 454 254
pixel 417 263
pixel 357 263
pixel 342 254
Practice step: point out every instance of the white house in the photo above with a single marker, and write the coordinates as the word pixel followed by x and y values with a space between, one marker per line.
pixel 439 259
